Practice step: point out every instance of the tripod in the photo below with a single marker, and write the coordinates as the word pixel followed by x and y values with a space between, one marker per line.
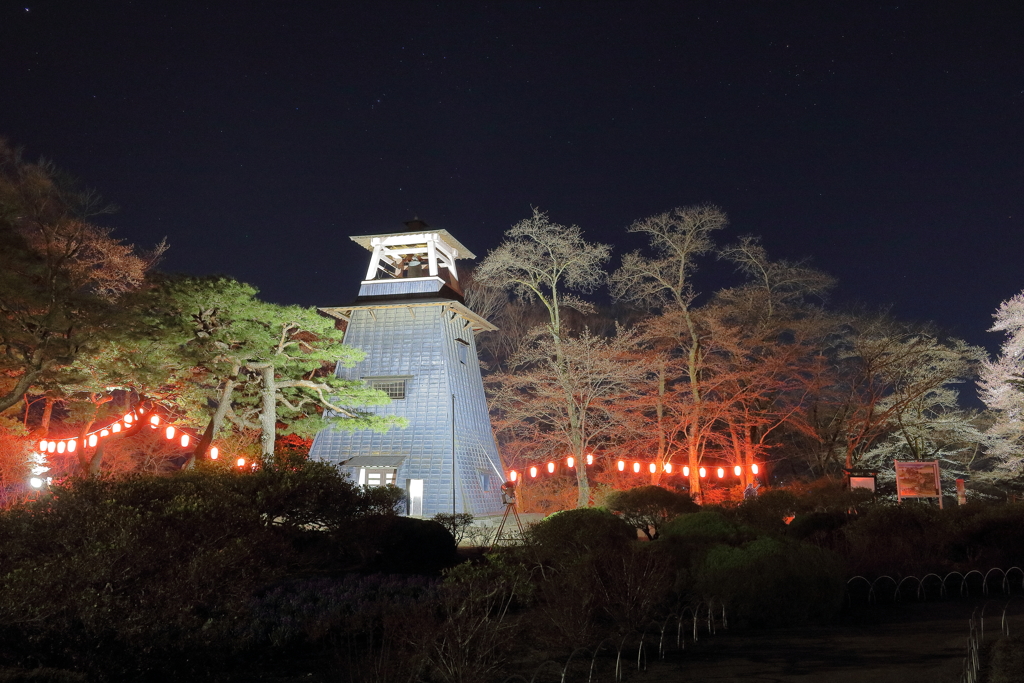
pixel 508 496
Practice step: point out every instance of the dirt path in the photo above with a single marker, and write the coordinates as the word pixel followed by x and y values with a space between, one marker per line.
pixel 902 644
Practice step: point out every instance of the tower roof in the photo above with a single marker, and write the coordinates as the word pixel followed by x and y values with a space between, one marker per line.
pixel 460 251
pixel 472 319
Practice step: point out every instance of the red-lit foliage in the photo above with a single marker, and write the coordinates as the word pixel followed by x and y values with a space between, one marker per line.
pixel 291 450
pixel 546 494
pixel 14 465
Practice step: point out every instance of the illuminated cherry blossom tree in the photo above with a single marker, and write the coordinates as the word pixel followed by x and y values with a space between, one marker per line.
pixel 1001 386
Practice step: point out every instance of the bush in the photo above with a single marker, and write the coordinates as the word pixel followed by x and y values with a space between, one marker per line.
pixel 827 495
pixel 768 511
pixel 576 532
pixel 899 540
pixel 648 508
pixel 135 575
pixel 309 610
pixel 475 632
pixel 705 529
pixel 457 523
pixel 593 578
pixel 1006 661
pixel 771 582
pixel 404 545
pixel 824 529
pixel 383 500
pixel 988 536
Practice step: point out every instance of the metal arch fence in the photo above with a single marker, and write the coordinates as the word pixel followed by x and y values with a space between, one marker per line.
pixel 972 662
pixel 706 617
pixel 920 586
pixel 655 638
pixel 982 583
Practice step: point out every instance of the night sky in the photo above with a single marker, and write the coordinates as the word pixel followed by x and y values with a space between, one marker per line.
pixel 883 140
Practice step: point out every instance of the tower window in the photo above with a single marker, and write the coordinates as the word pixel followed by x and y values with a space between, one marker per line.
pixel 463 349
pixel 376 477
pixel 394 387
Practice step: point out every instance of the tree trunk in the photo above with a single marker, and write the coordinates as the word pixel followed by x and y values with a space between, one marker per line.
pixel 693 458
pixel 268 412
pixel 216 421
pixel 662 441
pixel 44 425
pixel 693 373
pixel 582 482
pixel 96 462
pixel 84 462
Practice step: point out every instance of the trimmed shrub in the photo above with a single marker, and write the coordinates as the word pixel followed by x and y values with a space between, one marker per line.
pixel 576 532
pixel 1006 661
pixel 688 538
pixel 705 529
pixel 771 582
pixel 766 512
pixel 405 545
pixel 824 529
pixel 309 610
pixel 899 540
pixel 648 508
pixel 147 574
pixel 988 536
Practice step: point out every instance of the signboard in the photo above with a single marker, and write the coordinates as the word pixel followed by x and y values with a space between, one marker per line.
pixel 862 483
pixel 861 479
pixel 918 480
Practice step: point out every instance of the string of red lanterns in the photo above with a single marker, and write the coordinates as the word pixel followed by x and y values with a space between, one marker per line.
pixel 70 445
pixel 636 467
